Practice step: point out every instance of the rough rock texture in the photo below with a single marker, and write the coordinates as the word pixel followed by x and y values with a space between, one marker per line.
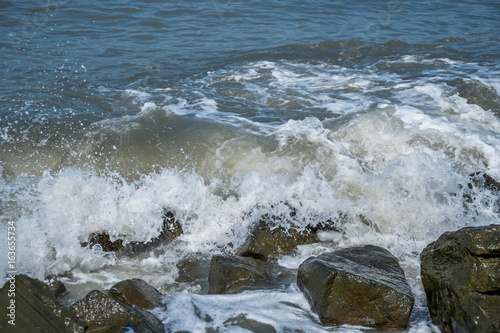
pixel 270 241
pixel 357 286
pixel 171 229
pixel 483 190
pixel 36 308
pixel 105 314
pixel 136 292
pixel 104 241
pixel 232 274
pixel 57 287
pixel 461 277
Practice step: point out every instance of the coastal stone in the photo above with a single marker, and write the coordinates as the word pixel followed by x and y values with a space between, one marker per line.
pixel 136 292
pixel 242 322
pixel 357 286
pixel 57 287
pixel 33 307
pixel 104 241
pixel 105 314
pixel 231 274
pixel 483 180
pixel 171 229
pixel 461 277
pixel 479 182
pixel 270 240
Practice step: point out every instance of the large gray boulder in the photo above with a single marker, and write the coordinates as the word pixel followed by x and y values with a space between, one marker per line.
pixel 231 274
pixel 33 307
pixel 461 277
pixel 357 286
pixel 105 314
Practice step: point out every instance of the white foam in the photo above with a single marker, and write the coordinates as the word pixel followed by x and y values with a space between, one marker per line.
pixel 284 311
pixel 388 171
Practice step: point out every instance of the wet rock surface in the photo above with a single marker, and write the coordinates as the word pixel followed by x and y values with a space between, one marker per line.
pixel 57 287
pixel 357 286
pixel 102 313
pixel 269 240
pixel 461 277
pixel 231 274
pixel 171 229
pixel 136 292
pixel 36 308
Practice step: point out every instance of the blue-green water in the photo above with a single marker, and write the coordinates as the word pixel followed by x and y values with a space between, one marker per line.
pixel 224 111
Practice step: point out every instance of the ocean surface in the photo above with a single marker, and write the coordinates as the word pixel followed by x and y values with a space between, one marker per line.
pixel 371 113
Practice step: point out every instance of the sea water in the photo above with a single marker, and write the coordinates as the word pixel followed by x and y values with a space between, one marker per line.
pixel 371 114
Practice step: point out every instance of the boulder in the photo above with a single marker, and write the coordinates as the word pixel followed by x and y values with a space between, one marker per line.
pixel 231 274
pixel 136 292
pixel 357 286
pixel 270 240
pixel 461 277
pixel 57 287
pixel 105 314
pixel 171 229
pixel 477 190
pixel 33 307
pixel 104 241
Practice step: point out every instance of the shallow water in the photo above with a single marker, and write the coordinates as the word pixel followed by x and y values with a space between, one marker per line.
pixel 224 111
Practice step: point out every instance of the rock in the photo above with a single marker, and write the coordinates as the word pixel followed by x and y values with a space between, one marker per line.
pixel 232 274
pixel 171 229
pixel 483 180
pixel 136 292
pixel 193 269
pixel 105 314
pixel 461 277
pixel 357 286
pixel 104 241
pixel 241 322
pixel 476 190
pixel 33 307
pixel 270 240
pixel 57 287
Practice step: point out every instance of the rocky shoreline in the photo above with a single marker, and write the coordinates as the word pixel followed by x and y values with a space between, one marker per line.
pixel 362 286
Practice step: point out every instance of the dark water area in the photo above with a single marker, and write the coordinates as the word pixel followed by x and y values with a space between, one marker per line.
pixel 119 43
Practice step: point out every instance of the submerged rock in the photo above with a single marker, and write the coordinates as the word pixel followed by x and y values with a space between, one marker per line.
pixel 461 277
pixel 194 270
pixel 232 274
pixel 33 307
pixel 269 240
pixel 136 292
pixel 357 286
pixel 103 240
pixel 105 314
pixel 171 229
pixel 57 287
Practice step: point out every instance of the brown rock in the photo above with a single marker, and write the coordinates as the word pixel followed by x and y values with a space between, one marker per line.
pixel 136 292
pixel 357 286
pixel 232 274
pixel 104 241
pixel 171 229
pixel 105 314
pixel 32 307
pixel 270 240
pixel 57 287
pixel 461 277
